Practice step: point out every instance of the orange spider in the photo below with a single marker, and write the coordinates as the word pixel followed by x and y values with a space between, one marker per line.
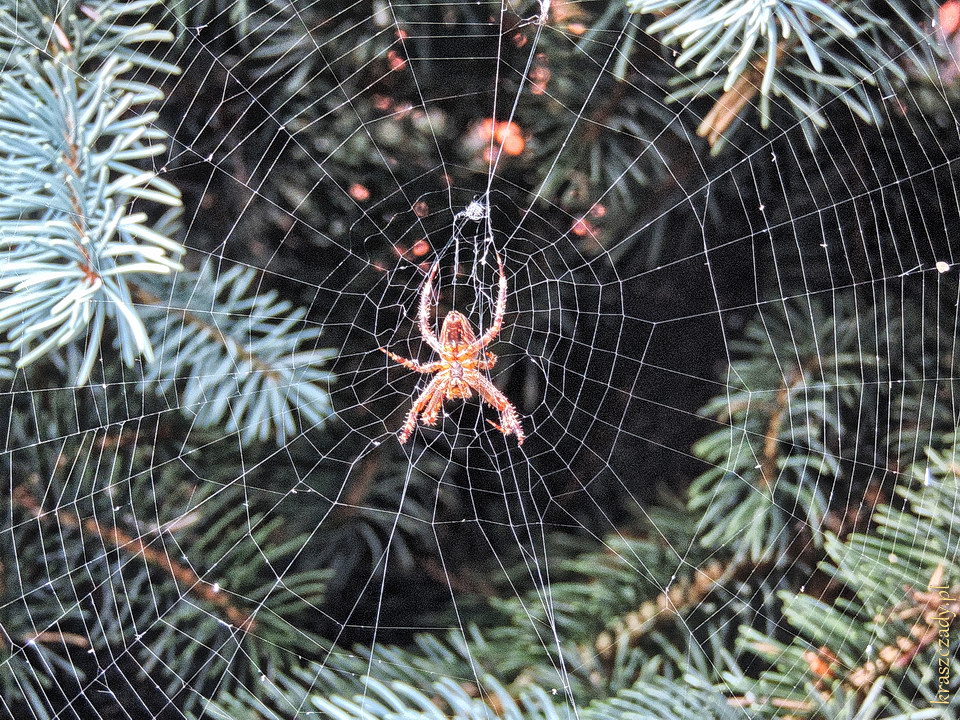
pixel 458 369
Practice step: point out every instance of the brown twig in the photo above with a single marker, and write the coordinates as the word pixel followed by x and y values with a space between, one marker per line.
pixel 462 582
pixel 924 607
pixel 358 491
pixel 121 540
pixel 51 637
pixel 71 158
pixel 733 101
pixel 681 596
pixel 771 443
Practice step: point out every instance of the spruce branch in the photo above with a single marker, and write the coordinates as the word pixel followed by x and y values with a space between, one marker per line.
pixel 243 361
pixel 795 55
pixel 734 101
pixel 683 596
pixel 900 583
pixel 82 33
pixel 435 685
pixel 184 576
pixel 70 239
pixel 926 609
pixel 197 567
pixel 809 385
pixel 78 257
pixel 772 456
pixel 740 31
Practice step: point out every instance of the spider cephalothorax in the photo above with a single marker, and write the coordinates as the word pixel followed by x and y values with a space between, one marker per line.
pixel 458 371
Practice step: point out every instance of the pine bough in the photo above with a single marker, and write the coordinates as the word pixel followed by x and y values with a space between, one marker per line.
pixel 80 263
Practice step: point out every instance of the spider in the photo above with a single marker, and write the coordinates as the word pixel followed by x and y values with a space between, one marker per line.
pixel 458 371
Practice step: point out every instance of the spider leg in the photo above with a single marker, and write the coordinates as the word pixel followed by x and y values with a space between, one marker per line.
pixel 411 422
pixel 412 364
pixel 488 362
pixel 432 410
pixel 498 313
pixel 509 420
pixel 424 315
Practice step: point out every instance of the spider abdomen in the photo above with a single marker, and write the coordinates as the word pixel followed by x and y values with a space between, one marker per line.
pixel 456 331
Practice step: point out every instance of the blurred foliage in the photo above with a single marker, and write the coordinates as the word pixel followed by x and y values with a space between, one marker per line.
pixel 797 56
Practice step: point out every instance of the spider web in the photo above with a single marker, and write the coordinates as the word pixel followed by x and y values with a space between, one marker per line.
pixel 627 308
